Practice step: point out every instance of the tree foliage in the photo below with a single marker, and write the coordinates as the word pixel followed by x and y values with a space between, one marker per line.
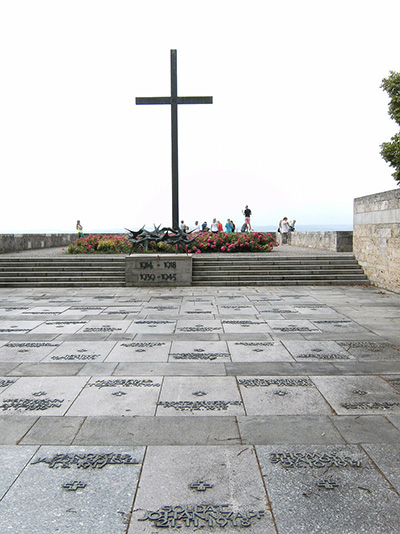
pixel 390 151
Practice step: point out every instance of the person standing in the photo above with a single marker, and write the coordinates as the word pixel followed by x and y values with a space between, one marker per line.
pixel 284 229
pixel 79 229
pixel 247 214
pixel 228 226
pixel 214 226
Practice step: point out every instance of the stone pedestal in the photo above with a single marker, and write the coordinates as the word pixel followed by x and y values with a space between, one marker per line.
pixel 152 270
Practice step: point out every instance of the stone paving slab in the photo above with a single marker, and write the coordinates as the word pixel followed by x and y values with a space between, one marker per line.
pixel 337 489
pixel 139 351
pixel 86 351
pixel 68 485
pixel 13 461
pixel 41 395
pixel 205 488
pixel 173 430
pixel 117 396
pixel 354 395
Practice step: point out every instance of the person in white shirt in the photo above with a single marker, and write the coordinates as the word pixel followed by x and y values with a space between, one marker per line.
pixel 214 226
pixel 284 229
pixel 196 228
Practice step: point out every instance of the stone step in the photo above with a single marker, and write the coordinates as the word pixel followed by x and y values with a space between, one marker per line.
pixel 80 283
pixel 257 282
pixel 268 269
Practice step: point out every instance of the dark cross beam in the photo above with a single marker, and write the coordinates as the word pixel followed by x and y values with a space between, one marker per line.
pixel 173 101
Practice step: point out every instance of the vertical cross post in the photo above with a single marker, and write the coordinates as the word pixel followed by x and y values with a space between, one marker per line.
pixel 173 101
pixel 174 141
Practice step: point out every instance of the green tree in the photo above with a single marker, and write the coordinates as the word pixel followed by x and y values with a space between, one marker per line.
pixel 390 151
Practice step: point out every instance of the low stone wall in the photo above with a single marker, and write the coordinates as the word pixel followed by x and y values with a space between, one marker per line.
pixel 334 241
pixel 18 242
pixel 150 270
pixel 377 238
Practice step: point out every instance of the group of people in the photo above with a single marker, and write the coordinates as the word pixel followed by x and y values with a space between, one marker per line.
pixel 216 226
pixel 286 226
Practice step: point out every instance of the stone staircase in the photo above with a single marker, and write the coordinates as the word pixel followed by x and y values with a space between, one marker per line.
pixel 73 271
pixel 269 270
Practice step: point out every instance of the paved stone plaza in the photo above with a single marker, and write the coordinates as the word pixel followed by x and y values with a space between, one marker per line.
pixel 269 410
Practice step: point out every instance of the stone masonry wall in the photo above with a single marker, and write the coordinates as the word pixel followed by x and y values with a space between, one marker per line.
pixel 377 238
pixel 334 241
pixel 18 242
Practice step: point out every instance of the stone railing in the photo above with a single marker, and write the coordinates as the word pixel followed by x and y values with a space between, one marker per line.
pixel 18 242
pixel 333 241
pixel 377 237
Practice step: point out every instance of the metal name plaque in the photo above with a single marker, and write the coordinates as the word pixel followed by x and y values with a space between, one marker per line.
pixel 84 461
pixel 198 405
pixel 317 460
pixel 201 516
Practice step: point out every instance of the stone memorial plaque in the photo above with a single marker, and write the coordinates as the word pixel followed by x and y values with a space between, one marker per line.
pixel 60 327
pixel 292 327
pixel 250 326
pixel 258 351
pixel 281 396
pixel 13 460
pixel 12 311
pixel 231 299
pixel 74 490
pixel 84 351
pixel 387 459
pixel 6 382
pixel 317 351
pixel 371 350
pixel 300 299
pixel 45 310
pixel 17 326
pixel 233 497
pixel 116 311
pixel 151 270
pixel 82 311
pixel 394 381
pixel 163 309
pixel 180 396
pixel 152 326
pixel 237 309
pixel 318 489
pixel 108 396
pixel 140 351
pixel 359 395
pixel 201 326
pixel 338 325
pixel 273 309
pixel 26 351
pixel 199 351
pixel 97 326
pixel 317 310
pixel 33 396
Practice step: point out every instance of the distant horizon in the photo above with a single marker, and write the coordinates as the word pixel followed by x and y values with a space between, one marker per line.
pixel 257 228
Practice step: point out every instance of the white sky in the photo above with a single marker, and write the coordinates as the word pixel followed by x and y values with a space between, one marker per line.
pixel 295 127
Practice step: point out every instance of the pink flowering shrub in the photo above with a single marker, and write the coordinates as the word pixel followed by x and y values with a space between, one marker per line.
pixel 203 243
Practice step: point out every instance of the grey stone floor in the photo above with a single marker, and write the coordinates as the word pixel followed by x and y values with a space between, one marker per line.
pixel 285 250
pixel 125 410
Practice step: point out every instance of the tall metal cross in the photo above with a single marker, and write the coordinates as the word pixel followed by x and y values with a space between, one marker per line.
pixel 173 101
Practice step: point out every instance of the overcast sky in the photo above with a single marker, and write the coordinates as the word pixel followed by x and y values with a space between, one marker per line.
pixel 295 127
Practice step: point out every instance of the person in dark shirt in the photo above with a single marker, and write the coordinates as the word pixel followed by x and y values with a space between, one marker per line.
pixel 247 213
